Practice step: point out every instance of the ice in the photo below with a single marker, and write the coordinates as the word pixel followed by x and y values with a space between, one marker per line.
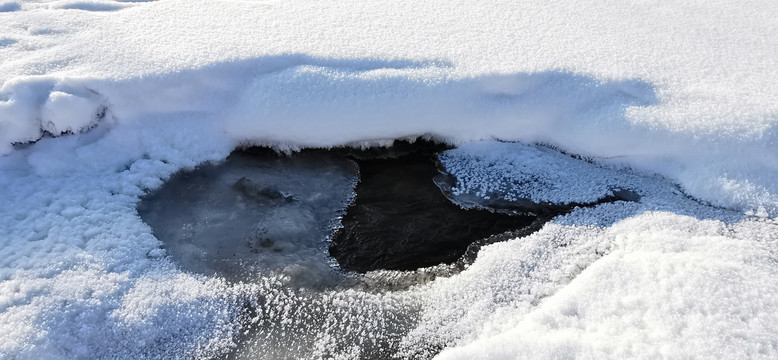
pixel 102 101
pixel 341 324
pixel 254 214
pixel 494 173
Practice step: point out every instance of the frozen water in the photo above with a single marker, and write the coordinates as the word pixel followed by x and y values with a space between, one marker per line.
pixel 255 213
pixel 502 175
pixel 343 323
pixel 266 219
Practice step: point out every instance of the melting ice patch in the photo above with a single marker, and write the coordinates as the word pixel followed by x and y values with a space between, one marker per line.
pixel 254 214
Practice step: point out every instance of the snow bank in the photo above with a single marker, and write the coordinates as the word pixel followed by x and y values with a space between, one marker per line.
pixel 670 287
pixel 134 91
pixel 571 75
pixel 662 277
pixel 82 276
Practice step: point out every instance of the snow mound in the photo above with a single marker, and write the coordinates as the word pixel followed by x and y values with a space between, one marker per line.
pixel 669 286
pixel 662 104
pixel 659 277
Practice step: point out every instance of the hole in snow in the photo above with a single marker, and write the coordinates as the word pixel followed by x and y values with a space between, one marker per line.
pixel 270 219
pixel 260 212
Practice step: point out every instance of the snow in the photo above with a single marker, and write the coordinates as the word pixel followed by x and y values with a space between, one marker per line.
pixel 102 101
pixel 634 82
pixel 65 112
pixel 665 276
pixel 514 171
pixel 676 287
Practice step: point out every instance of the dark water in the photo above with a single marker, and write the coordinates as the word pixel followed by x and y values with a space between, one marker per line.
pixel 401 220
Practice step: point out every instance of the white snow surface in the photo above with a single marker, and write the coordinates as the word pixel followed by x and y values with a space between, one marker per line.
pixel 513 171
pixel 101 101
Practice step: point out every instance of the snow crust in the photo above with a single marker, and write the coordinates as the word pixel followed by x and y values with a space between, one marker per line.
pixel 512 172
pixel 119 95
pixel 670 286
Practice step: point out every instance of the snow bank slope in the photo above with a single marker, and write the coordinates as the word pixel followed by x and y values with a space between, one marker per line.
pixel 670 287
pixel 662 277
pixel 666 87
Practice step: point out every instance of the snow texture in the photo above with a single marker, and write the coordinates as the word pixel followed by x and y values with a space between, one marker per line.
pixel 511 172
pixel 665 276
pixel 101 101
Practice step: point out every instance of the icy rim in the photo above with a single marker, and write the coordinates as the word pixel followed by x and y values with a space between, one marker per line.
pixel 686 91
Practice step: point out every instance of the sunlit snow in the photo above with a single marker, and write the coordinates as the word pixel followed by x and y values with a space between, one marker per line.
pixel 103 101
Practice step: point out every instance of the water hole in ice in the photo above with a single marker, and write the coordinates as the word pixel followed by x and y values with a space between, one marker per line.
pixel 305 226
pixel 255 212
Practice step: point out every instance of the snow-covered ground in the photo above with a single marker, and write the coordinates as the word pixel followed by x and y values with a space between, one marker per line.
pixel 677 101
